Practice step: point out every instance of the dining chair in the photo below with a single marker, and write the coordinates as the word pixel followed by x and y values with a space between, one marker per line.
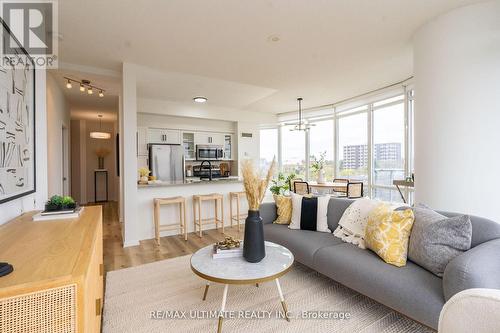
pixel 354 190
pixel 301 187
pixel 340 191
pixel 292 181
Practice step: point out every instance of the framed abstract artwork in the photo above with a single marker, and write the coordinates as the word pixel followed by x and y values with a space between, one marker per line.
pixel 17 122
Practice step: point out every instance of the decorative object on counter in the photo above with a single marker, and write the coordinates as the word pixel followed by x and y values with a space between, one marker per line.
pixel 228 248
pixel 253 245
pixel 59 207
pixel 224 169
pixel 59 204
pixel 101 154
pixel 318 166
pixel 5 268
pixel 143 174
pixel 189 171
pixel 281 184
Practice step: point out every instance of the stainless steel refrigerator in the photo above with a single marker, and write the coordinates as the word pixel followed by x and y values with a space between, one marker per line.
pixel 167 162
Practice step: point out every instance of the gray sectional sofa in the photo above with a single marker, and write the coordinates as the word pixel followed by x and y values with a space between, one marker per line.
pixel 410 290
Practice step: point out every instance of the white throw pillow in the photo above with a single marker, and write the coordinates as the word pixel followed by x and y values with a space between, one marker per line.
pixel 322 210
pixel 353 222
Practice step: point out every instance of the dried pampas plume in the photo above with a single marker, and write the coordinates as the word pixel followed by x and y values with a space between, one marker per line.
pixel 255 186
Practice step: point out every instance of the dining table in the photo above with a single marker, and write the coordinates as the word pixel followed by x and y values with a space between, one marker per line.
pixel 335 186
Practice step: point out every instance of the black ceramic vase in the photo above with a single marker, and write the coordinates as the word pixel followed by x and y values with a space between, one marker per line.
pixel 253 244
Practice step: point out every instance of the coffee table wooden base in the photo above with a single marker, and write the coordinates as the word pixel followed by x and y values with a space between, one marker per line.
pixel 224 299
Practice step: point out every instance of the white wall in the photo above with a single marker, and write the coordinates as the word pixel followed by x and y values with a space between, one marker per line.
pixel 14 208
pixel 249 148
pixel 128 166
pixel 457 111
pixel 58 115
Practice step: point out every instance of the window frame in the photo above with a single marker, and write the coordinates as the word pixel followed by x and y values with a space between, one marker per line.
pixel 355 107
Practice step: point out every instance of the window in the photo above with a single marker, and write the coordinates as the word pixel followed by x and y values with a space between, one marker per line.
pixel 353 147
pixel 294 151
pixel 321 141
pixel 268 147
pixel 388 144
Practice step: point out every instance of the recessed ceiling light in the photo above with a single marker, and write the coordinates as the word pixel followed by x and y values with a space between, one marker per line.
pixel 273 38
pixel 200 99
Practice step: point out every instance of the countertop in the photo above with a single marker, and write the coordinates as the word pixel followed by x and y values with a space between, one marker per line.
pixel 193 181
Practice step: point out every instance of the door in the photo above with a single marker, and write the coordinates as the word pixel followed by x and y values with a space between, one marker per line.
pixel 65 160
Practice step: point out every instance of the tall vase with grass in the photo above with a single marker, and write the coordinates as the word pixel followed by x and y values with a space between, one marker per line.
pixel 254 249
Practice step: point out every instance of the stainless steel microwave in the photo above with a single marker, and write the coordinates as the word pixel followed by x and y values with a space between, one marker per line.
pixel 209 152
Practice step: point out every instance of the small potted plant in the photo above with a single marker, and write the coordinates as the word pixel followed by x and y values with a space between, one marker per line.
pixel 143 174
pixel 281 184
pixel 57 202
pixel 318 165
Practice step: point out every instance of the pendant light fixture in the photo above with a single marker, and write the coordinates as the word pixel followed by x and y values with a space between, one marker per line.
pixel 100 134
pixel 301 124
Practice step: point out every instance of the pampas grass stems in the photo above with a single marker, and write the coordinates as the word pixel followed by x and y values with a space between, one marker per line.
pixel 255 186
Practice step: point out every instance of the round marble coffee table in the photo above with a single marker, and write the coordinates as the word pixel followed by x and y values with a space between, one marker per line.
pixel 277 262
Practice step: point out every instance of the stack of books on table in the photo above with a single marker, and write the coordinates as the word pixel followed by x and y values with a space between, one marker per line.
pixel 221 253
pixel 58 214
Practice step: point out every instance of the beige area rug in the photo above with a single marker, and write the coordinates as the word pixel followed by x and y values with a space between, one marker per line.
pixel 133 294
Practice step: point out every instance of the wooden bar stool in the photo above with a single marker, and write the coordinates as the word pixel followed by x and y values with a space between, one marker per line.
pixel 238 217
pixel 181 201
pixel 197 203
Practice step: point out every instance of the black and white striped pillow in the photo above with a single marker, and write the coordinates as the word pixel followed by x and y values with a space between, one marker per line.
pixel 309 213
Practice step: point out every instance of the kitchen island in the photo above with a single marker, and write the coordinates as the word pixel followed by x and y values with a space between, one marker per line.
pixel 186 188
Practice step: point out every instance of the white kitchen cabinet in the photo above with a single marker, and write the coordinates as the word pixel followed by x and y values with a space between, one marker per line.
pixel 166 136
pixel 142 141
pixel 207 138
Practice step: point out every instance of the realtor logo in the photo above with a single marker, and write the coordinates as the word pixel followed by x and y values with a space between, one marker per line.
pixel 34 25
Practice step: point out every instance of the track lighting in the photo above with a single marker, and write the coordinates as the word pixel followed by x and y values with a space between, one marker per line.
pixel 84 85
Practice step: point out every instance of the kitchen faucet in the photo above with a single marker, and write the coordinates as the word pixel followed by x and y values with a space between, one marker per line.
pixel 209 166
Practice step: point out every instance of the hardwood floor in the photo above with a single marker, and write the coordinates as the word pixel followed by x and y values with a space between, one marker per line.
pixel 118 257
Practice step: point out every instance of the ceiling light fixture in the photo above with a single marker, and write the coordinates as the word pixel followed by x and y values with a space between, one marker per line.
pixel 100 134
pixel 301 124
pixel 84 85
pixel 200 99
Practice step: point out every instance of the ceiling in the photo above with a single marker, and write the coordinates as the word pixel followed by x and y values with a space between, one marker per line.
pixel 326 50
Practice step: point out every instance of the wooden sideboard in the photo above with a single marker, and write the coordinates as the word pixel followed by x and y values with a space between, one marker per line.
pixel 57 283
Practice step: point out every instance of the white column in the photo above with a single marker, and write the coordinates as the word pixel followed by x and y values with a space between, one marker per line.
pixel 128 176
pixel 457 111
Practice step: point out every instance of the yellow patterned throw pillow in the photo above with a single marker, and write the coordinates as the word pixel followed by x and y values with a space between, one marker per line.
pixel 284 209
pixel 387 233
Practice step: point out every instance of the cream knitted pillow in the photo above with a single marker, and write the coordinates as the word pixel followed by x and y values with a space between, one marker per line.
pixel 353 222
